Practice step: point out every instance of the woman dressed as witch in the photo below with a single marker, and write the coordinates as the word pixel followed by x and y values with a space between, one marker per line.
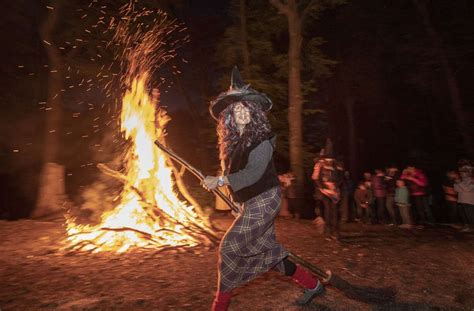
pixel 246 145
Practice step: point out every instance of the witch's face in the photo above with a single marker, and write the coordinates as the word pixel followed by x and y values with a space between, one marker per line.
pixel 241 114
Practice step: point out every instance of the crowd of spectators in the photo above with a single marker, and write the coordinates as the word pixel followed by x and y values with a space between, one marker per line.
pixel 392 196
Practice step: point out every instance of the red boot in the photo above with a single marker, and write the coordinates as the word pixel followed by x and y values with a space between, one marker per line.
pixel 304 278
pixel 311 284
pixel 221 302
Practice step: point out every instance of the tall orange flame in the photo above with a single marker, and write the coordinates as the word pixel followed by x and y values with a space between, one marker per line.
pixel 149 213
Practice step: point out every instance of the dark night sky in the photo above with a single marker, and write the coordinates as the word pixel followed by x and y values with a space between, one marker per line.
pixel 204 19
pixel 387 67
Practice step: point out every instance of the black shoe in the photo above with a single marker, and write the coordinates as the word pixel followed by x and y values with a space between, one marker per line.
pixel 309 294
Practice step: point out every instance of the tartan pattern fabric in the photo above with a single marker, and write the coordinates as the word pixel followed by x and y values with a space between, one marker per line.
pixel 249 247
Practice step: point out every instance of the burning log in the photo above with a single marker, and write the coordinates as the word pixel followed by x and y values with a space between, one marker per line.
pixel 192 226
pixel 122 178
pixel 178 175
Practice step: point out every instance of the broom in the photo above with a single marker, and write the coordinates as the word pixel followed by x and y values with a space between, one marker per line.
pixel 362 293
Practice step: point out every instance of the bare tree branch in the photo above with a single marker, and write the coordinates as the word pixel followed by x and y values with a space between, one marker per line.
pixel 307 9
pixel 282 7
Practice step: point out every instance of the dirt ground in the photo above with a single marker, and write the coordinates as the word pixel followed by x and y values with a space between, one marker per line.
pixel 431 269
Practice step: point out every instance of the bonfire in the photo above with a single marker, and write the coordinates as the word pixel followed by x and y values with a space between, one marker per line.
pixel 149 212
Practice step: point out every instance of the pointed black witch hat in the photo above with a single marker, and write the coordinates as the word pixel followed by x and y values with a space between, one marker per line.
pixel 238 91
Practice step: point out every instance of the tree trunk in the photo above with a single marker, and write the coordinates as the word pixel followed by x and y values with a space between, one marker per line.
pixel 454 92
pixel 352 134
pixel 295 97
pixel 51 195
pixel 244 40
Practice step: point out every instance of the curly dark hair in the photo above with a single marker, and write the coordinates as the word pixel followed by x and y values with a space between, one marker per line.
pixel 258 129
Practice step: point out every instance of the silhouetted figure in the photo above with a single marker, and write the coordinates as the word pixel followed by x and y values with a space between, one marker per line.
pixel 391 176
pixel 380 193
pixel 451 197
pixel 363 200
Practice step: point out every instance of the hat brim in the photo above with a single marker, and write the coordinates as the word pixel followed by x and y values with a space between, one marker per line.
pixel 224 100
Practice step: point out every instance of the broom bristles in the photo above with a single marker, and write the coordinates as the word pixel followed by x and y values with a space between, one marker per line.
pixel 366 294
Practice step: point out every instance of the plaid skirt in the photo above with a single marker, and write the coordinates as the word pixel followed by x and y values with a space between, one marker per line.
pixel 249 247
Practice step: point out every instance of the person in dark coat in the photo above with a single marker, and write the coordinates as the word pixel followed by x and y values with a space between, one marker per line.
pixel 380 194
pixel 451 197
pixel 391 177
pixel 363 199
pixel 347 204
pixel 328 179
pixel 246 144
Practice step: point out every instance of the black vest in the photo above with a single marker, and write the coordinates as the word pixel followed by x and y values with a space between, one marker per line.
pixel 238 162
